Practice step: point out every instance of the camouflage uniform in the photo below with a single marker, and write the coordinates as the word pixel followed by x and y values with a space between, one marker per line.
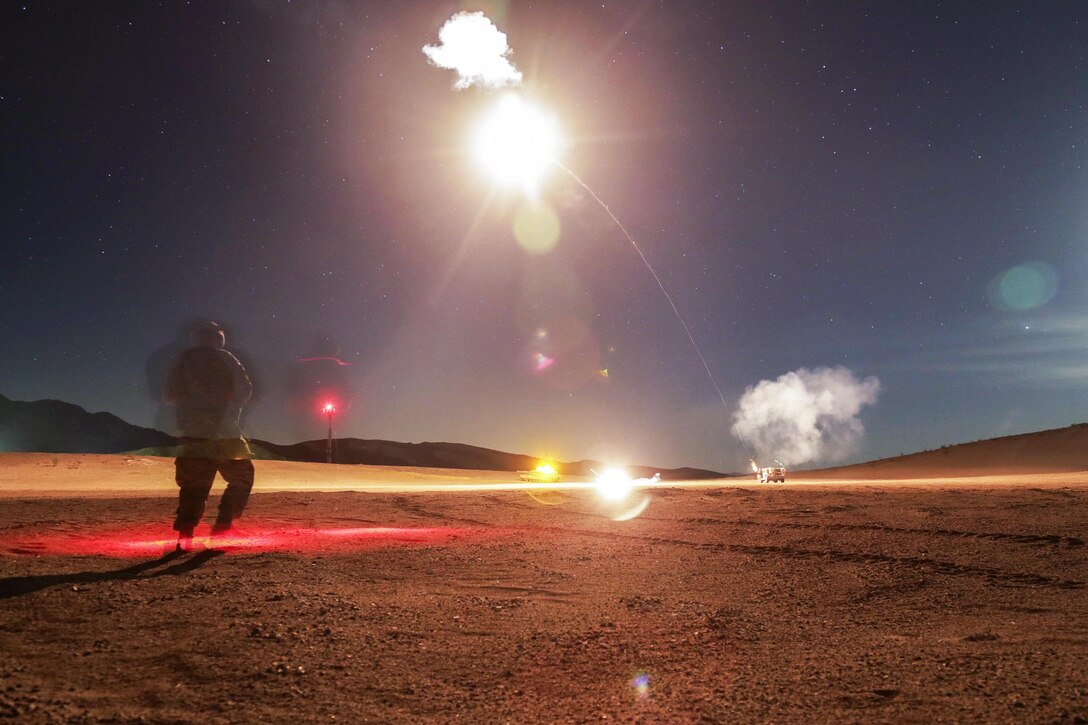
pixel 209 386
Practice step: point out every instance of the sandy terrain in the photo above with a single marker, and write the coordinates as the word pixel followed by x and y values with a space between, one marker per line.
pixel 446 596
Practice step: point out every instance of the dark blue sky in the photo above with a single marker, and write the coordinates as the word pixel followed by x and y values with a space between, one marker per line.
pixel 899 188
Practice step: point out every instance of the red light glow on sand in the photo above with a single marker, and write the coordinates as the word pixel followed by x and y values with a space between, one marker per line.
pixel 148 540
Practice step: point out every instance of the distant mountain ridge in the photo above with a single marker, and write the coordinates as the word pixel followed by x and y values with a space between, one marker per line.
pixel 53 426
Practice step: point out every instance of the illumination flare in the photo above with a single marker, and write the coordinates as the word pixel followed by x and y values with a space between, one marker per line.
pixel 517 142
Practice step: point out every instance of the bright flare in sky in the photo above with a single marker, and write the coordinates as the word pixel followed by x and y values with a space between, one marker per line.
pixel 517 142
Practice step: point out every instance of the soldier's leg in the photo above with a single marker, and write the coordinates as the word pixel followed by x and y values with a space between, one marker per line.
pixel 239 478
pixel 194 477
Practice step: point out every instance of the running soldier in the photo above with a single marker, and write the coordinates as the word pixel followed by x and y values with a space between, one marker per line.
pixel 208 387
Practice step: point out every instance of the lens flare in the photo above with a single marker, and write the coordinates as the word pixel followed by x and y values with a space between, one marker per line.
pixel 566 357
pixel 621 494
pixel 636 507
pixel 1025 287
pixel 542 362
pixel 614 484
pixel 536 228
pixel 517 142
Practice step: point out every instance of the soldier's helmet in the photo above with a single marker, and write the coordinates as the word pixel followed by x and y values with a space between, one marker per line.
pixel 209 334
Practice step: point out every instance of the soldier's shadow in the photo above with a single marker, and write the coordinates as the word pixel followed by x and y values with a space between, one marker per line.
pixel 19 585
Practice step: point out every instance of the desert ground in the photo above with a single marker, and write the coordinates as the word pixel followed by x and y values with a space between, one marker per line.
pixel 364 594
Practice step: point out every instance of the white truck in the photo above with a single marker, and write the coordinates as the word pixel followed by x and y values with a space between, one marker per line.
pixel 769 474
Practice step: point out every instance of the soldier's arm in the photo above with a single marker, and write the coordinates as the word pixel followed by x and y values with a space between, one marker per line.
pixel 243 386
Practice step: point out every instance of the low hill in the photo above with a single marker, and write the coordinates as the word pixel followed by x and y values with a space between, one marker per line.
pixel 1061 450
pixel 452 455
pixel 52 426
pixel 391 453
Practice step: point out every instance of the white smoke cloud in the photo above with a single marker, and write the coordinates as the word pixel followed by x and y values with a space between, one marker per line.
pixel 805 415
pixel 476 49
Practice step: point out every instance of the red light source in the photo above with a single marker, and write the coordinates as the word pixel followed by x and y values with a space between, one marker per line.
pixel 146 540
pixel 328 409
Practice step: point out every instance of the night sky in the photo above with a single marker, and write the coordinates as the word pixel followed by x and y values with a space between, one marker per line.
pixel 899 188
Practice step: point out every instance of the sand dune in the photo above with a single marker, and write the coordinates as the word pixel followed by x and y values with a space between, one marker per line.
pixel 1062 450
pixel 65 474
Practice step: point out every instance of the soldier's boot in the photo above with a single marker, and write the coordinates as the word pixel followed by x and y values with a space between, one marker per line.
pixel 185 539
pixel 222 526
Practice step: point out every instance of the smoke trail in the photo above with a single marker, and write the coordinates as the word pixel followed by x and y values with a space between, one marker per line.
pixel 476 49
pixel 657 279
pixel 805 415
